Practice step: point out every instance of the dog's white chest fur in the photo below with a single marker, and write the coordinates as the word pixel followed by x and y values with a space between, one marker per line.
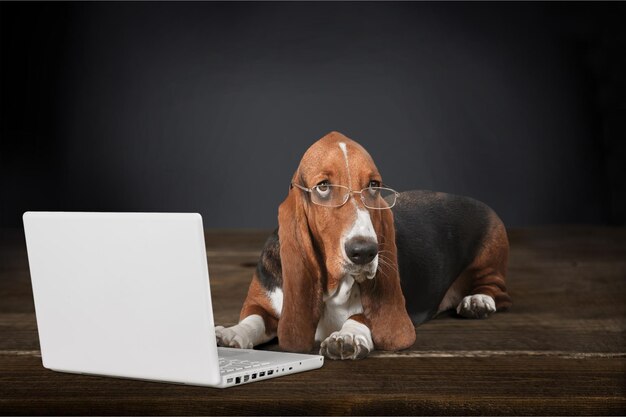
pixel 339 307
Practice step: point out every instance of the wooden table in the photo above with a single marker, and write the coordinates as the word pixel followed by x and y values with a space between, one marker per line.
pixel 560 350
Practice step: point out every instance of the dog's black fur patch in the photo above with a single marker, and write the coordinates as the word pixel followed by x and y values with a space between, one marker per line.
pixel 438 235
pixel 269 269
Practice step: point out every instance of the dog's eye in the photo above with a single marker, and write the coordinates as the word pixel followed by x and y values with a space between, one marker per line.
pixel 372 189
pixel 323 189
pixel 323 186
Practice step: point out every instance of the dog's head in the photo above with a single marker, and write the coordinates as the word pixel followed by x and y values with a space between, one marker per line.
pixel 334 223
pixel 341 197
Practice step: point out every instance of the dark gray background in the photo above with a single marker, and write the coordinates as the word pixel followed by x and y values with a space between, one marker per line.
pixel 208 107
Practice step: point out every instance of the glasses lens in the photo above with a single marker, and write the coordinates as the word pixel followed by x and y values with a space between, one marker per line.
pixel 329 195
pixel 378 197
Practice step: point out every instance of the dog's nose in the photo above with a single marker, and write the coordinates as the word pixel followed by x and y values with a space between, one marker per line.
pixel 361 250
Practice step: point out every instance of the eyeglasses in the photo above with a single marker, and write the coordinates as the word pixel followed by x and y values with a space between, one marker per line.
pixel 328 195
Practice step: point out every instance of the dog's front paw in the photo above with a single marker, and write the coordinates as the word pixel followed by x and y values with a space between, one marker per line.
pixel 477 306
pixel 341 345
pixel 232 337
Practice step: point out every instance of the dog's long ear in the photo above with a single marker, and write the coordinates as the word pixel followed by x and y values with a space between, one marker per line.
pixel 302 276
pixel 382 299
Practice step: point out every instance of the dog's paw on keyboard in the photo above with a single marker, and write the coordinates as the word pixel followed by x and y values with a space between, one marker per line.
pixel 231 337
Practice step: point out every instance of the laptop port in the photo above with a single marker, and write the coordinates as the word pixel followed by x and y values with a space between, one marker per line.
pixel 245 378
pixel 238 380
pixel 229 380
pixel 253 376
pixel 270 372
pixel 261 374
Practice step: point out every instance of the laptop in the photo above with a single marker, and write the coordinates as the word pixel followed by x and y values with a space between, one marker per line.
pixel 127 295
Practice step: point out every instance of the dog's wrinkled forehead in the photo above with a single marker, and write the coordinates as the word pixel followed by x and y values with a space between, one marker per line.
pixel 338 157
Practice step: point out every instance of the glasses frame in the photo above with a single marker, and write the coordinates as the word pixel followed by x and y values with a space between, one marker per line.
pixel 348 194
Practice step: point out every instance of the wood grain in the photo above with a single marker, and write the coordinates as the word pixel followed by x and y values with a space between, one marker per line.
pixel 560 350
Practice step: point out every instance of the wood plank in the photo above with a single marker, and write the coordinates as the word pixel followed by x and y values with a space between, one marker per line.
pixel 491 385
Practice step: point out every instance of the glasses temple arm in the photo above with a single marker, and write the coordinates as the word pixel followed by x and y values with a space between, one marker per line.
pixel 308 190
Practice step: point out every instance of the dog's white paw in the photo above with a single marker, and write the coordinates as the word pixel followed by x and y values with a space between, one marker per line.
pixel 477 306
pixel 248 333
pixel 353 341
pixel 232 337
pixel 344 346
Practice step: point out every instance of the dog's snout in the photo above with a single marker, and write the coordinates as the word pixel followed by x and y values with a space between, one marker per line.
pixel 361 250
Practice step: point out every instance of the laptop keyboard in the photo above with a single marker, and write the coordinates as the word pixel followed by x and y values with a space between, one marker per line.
pixel 228 366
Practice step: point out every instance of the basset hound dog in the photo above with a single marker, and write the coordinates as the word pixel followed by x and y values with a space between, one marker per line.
pixel 355 266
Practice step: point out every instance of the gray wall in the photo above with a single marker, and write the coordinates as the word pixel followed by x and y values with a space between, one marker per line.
pixel 208 107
